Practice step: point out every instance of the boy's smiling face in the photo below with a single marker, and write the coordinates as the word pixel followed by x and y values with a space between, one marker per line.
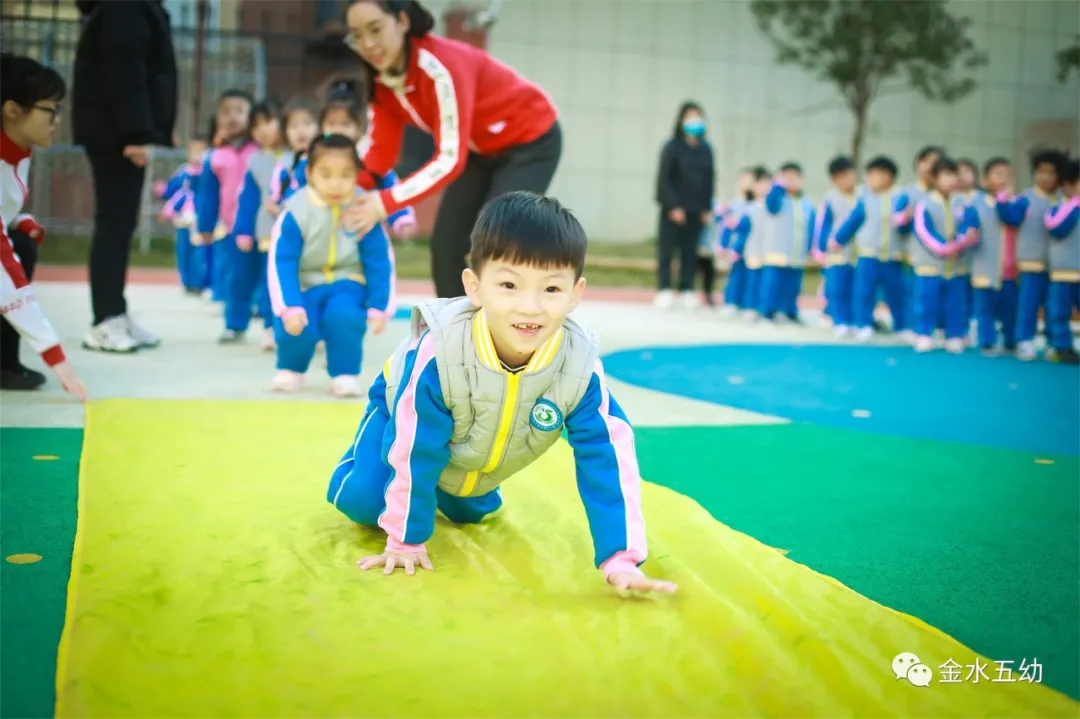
pixel 524 304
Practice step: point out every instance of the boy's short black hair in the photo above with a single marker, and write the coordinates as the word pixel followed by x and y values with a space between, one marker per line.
pixel 839 164
pixel 792 166
pixel 944 164
pixel 528 229
pixel 928 150
pixel 1055 158
pixel 994 162
pixel 1070 171
pixel 760 172
pixel 263 112
pixel 886 164
pixel 328 143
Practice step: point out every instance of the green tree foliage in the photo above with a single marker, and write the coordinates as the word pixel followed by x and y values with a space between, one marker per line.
pixel 857 45
pixel 1068 60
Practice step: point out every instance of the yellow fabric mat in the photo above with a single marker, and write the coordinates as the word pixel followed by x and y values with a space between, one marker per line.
pixel 213 580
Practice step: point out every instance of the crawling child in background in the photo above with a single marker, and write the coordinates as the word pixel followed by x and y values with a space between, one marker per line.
pixel 483 386
pixel 327 283
pixel 254 222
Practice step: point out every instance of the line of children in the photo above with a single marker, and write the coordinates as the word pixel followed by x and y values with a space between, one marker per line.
pixel 944 253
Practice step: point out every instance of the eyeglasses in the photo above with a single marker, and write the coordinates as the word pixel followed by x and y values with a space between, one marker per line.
pixel 54 111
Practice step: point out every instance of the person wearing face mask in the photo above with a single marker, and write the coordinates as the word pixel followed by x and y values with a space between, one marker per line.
pixel 684 188
pixel 494 131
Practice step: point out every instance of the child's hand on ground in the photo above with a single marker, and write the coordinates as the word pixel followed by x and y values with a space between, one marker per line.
pixel 376 325
pixel 244 243
pixel 391 560
pixel 637 582
pixel 295 322
pixel 69 379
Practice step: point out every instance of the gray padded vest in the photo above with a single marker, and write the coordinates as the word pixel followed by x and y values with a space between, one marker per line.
pixel 330 252
pixel 502 421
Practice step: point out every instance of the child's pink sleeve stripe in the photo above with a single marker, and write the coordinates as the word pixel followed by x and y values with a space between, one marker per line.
pixel 273 281
pixel 1055 216
pixel 622 440
pixel 922 231
pixel 395 518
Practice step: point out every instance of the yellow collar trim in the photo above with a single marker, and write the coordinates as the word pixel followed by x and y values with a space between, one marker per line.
pixel 485 347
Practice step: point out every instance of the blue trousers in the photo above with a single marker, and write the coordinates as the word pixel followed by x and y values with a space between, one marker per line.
pixel 247 287
pixel 935 296
pixel 839 285
pixel 874 278
pixel 358 484
pixel 192 261
pixel 735 289
pixel 909 295
pixel 1033 289
pixel 993 306
pixel 752 289
pixel 221 260
pixel 1061 299
pixel 779 291
pixel 336 314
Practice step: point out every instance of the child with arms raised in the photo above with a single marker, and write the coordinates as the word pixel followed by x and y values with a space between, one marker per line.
pixel 253 224
pixel 482 387
pixel 327 283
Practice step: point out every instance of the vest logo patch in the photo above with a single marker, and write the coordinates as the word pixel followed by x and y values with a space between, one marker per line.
pixel 545 416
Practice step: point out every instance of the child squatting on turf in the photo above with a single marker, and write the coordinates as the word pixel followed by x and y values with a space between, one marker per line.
pixel 482 387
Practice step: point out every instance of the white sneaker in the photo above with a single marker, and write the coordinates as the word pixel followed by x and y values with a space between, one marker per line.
pixel 749 315
pixel 864 334
pixel 689 300
pixel 664 299
pixel 906 336
pixel 286 381
pixel 728 310
pixel 112 335
pixel 956 345
pixel 841 331
pixel 346 385
pixel 924 343
pixel 1026 352
pixel 143 336
pixel 267 343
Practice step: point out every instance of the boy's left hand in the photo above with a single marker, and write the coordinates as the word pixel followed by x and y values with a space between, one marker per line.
pixel 634 582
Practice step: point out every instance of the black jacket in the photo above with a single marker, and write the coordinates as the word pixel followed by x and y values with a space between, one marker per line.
pixel 125 86
pixel 687 177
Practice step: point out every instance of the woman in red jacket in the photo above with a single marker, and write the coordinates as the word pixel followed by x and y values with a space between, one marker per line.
pixel 494 131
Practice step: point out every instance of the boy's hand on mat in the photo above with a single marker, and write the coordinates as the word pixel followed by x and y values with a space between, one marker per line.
pixel 70 381
pixel 391 560
pixel 634 582
pixel 295 323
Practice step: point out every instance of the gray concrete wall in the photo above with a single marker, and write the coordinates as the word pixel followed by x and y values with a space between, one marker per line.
pixel 618 70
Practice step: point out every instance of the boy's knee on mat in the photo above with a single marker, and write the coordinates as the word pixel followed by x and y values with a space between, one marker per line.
pixel 467 510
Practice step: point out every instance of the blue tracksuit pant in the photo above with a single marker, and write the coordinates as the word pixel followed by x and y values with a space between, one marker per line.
pixel 336 314
pixel 993 306
pixel 1033 289
pixel 874 278
pixel 752 289
pixel 358 484
pixel 221 260
pixel 1062 299
pixel 779 291
pixel 185 265
pixel 735 289
pixel 839 285
pixel 935 296
pixel 247 287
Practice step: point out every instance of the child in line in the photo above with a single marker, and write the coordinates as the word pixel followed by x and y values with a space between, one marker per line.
pixel 1026 213
pixel 788 242
pixel 219 187
pixel 839 264
pixel 993 263
pixel 179 208
pixel 254 222
pixel 433 436
pixel 967 186
pixel 327 283
pixel 747 243
pixel 301 122
pixel 941 225
pixel 916 192
pixel 726 219
pixel 1063 223
pixel 873 237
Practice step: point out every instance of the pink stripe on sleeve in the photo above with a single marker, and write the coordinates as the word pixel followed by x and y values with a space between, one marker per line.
pixel 1054 218
pixel 277 299
pixel 391 300
pixel 622 439
pixel 923 232
pixel 395 517
pixel 819 221
pixel 275 182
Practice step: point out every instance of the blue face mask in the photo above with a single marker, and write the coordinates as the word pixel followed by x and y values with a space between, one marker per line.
pixel 694 128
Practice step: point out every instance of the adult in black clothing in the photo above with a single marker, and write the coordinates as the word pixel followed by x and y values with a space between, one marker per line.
pixel 684 190
pixel 123 102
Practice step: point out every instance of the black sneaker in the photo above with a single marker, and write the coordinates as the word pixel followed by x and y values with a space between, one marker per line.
pixel 21 379
pixel 231 337
pixel 1068 356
